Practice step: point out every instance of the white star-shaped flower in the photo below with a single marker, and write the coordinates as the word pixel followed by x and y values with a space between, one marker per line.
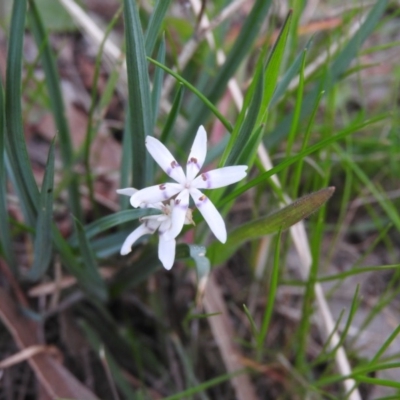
pixel 149 225
pixel 188 184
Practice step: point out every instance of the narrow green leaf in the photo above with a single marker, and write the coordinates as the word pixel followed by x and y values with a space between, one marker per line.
pixel 287 77
pixel 18 153
pixel 173 114
pixel 335 71
pixel 116 219
pixel 273 67
pixel 253 325
pixel 155 24
pixel 96 286
pixel 204 386
pixel 158 82
pixel 5 237
pixel 282 219
pixel 240 139
pixel 42 247
pixel 140 112
pixel 240 49
pixel 201 96
pixel 296 118
pixel 57 105
pixel 89 280
pixel 289 161
pixel 126 166
pixel 273 286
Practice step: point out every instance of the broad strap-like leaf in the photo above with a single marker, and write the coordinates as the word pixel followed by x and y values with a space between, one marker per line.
pixel 280 220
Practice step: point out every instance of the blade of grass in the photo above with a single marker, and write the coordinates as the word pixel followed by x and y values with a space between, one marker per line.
pixel 158 81
pixel 18 154
pixel 284 164
pixel 42 247
pixel 240 49
pixel 176 106
pixel 273 286
pixel 242 131
pixel 296 118
pixel 92 128
pixel 273 67
pixel 119 218
pixel 126 166
pixel 5 237
pixel 204 386
pixel 204 99
pixel 140 112
pixel 155 23
pixel 90 268
pixel 57 105
pixel 336 69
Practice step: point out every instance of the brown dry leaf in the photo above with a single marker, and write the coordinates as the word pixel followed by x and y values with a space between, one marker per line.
pixel 54 378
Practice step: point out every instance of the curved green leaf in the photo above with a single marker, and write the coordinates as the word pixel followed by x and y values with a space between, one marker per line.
pixel 282 219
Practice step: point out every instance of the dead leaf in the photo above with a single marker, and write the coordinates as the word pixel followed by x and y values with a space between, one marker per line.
pixel 55 379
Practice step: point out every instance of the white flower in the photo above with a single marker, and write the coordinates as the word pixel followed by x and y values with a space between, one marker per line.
pixel 162 222
pixel 188 184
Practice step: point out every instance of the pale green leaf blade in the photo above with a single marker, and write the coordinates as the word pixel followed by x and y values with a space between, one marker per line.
pixel 282 219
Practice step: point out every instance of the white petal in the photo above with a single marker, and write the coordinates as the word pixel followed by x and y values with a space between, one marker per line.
pixel 165 225
pixel 131 239
pixel 166 252
pixel 155 194
pixel 220 177
pixel 210 214
pixel 178 214
pixel 197 154
pixel 165 159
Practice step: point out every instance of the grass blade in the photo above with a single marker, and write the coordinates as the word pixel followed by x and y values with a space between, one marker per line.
pixel 140 112
pixel 273 67
pixel 42 248
pixel 240 49
pixel 5 237
pixel 271 296
pixel 200 95
pixel 334 73
pixel 289 161
pixel 90 269
pixel 158 82
pixel 155 23
pixel 242 132
pixel 18 153
pixel 176 106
